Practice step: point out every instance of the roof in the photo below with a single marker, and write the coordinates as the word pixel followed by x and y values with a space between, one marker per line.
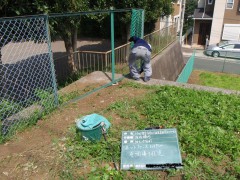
pixel 200 14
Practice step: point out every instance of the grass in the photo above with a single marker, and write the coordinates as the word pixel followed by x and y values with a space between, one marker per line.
pixel 46 100
pixel 220 80
pixel 208 127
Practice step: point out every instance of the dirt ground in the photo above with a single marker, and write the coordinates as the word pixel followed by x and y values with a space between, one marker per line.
pixel 194 78
pixel 32 155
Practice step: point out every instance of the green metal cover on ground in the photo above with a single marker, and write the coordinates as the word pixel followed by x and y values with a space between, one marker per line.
pixel 150 149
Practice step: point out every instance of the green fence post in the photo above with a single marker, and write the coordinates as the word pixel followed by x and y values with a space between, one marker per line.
pixel 112 45
pixel 142 32
pixel 51 61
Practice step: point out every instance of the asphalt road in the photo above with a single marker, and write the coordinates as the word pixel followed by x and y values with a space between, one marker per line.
pixel 208 63
pixel 218 65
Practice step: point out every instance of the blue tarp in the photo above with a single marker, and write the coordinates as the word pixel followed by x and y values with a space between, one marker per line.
pixel 92 121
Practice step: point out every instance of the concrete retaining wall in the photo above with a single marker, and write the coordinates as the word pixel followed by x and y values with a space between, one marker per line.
pixel 169 64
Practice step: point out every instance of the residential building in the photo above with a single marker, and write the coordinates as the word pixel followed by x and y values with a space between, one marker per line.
pixel 217 19
pixel 175 17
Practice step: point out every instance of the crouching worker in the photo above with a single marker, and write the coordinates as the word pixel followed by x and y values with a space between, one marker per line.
pixel 140 50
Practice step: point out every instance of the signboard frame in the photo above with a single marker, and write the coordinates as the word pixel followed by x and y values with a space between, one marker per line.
pixel 154 149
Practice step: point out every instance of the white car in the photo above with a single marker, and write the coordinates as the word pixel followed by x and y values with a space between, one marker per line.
pixel 224 49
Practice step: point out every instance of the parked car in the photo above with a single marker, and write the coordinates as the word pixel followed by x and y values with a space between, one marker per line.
pixel 225 49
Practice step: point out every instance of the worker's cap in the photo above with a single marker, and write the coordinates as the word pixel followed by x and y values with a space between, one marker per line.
pixel 133 38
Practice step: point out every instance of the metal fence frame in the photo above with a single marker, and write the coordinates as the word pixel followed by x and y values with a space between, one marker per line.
pixel 87 61
pixel 17 115
pixel 28 83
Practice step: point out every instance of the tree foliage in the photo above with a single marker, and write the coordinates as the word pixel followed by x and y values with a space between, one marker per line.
pixel 153 10
pixel 190 6
pixel 67 28
pixel 9 8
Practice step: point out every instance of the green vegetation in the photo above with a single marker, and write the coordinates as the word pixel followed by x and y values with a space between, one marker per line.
pixel 220 80
pixel 24 117
pixel 68 28
pixel 208 128
pixel 191 5
pixel 8 108
pixel 19 126
pixel 46 99
pixel 29 117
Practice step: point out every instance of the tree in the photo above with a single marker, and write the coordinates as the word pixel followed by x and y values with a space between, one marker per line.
pixel 10 8
pixel 190 6
pixel 153 9
pixel 66 28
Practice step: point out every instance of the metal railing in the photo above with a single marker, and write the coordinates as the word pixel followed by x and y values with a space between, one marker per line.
pixel 28 87
pixel 161 39
pixel 89 61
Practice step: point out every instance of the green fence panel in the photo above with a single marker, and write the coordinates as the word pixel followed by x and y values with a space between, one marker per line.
pixel 137 23
pixel 187 70
pixel 27 83
pixel 137 27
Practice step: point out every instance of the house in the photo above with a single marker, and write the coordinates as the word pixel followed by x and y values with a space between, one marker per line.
pixel 217 19
pixel 175 17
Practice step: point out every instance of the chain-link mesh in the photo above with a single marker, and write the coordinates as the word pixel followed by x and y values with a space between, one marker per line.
pixel 27 84
pixel 137 23
pixel 137 28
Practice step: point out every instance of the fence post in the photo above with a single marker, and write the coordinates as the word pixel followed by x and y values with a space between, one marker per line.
pixel 51 61
pixel 142 32
pixel 112 45
pixel 106 61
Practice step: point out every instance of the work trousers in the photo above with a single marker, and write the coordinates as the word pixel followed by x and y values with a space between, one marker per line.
pixel 140 52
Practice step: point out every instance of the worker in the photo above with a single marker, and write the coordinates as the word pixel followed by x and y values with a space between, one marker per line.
pixel 140 50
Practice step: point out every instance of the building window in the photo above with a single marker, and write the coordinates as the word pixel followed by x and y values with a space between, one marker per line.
pixel 210 1
pixel 237 46
pixel 230 4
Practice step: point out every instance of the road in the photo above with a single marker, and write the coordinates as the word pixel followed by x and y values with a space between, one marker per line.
pixel 219 65
pixel 203 62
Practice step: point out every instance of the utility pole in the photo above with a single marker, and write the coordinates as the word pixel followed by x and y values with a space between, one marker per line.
pixel 182 20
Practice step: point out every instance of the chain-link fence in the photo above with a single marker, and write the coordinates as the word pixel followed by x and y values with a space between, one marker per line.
pixel 137 23
pixel 29 60
pixel 27 84
pixel 98 54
